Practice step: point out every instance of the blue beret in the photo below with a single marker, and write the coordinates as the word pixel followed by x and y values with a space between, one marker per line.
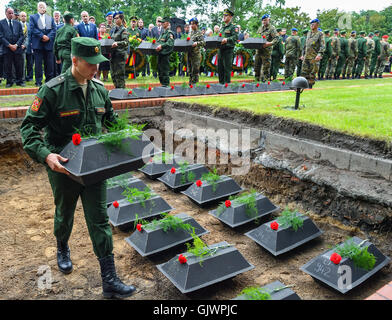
pixel 294 29
pixel 265 16
pixel 118 12
pixel 109 14
pixel 353 32
pixel 315 21
pixel 319 29
pixel 336 29
pixel 194 19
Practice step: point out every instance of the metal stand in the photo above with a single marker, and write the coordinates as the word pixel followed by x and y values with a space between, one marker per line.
pixel 296 107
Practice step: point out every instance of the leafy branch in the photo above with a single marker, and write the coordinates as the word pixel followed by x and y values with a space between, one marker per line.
pixel 211 178
pixel 136 195
pixel 290 219
pixel 121 180
pixel 167 223
pixel 256 293
pixel 361 257
pixel 246 198
pixel 186 177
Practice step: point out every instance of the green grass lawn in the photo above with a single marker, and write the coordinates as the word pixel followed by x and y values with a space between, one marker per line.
pixel 16 101
pixel 357 107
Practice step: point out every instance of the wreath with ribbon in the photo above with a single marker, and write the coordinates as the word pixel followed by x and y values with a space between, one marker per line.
pixel 242 58
pixel 211 60
pixel 135 62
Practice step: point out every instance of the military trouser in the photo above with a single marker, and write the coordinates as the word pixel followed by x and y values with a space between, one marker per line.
pixel 225 64
pixel 360 64
pixel 331 68
pixel 340 66
pixel 65 57
pixel 275 64
pixel 310 69
pixel 373 64
pixel 380 67
pixel 194 67
pixel 164 69
pixel 290 65
pixel 323 66
pixel 117 69
pixel 367 65
pixel 349 66
pixel 263 64
pixel 66 193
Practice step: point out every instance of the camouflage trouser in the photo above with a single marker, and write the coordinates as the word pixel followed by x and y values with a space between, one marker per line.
pixel 323 66
pixel 367 65
pixel 310 69
pixel 332 63
pixel 380 67
pixel 290 65
pixel 350 66
pixel 373 64
pixel 360 63
pixel 117 70
pixel 340 66
pixel 194 67
pixel 262 64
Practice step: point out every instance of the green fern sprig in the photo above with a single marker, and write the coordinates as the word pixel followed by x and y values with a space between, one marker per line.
pixel 211 178
pixel 136 195
pixel 290 219
pixel 361 257
pixel 247 198
pixel 169 223
pixel 255 293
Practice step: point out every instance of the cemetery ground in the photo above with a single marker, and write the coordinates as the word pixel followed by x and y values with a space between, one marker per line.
pixel 27 245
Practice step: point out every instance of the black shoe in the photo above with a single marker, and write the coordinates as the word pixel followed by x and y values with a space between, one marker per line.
pixel 380 76
pixel 64 257
pixel 21 84
pixel 344 77
pixel 366 77
pixel 38 84
pixel 8 85
pixel 112 286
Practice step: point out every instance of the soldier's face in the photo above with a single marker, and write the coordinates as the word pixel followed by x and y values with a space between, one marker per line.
pixel 133 23
pixel 109 19
pixel 165 25
pixel 193 26
pixel 266 21
pixel 226 18
pixel 84 69
pixel 294 33
pixel 314 26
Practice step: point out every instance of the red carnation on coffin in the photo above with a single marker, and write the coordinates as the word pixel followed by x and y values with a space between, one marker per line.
pixel 182 259
pixel 76 139
pixel 264 37
pixel 274 225
pixel 269 82
pixel 226 85
pixel 208 86
pixel 283 83
pixel 199 183
pixel 139 227
pixel 172 88
pixel 149 89
pixel 190 86
pixel 109 37
pixel 173 170
pixel 257 85
pixel 153 41
pixel 243 85
pixel 220 34
pixel 228 203
pixel 115 204
pixel 130 92
pixel 335 258
pixel 187 39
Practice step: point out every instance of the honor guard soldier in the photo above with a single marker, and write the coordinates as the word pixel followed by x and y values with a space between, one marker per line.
pixel 165 48
pixel 362 52
pixel 75 101
pixel 352 55
pixel 292 53
pixel 194 55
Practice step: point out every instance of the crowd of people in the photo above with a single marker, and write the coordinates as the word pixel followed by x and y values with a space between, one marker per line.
pixel 46 40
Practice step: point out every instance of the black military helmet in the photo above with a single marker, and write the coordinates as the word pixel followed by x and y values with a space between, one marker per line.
pixel 299 83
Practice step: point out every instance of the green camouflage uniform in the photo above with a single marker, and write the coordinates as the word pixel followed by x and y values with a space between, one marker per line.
pixel 166 40
pixel 314 46
pixel 276 57
pixel 326 56
pixel 342 57
pixel 300 62
pixel 119 56
pixel 60 108
pixel 370 45
pixel 383 58
pixel 194 56
pixel 376 53
pixel 135 32
pixel 263 56
pixel 109 27
pixel 333 60
pixel 352 56
pixel 292 52
pixel 62 45
pixel 362 48
pixel 225 53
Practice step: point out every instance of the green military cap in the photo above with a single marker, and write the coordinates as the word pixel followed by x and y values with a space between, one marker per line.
pixel 343 32
pixel 164 19
pixel 134 18
pixel 305 31
pixel 376 31
pixel 227 11
pixel 279 29
pixel 326 31
pixel 362 32
pixel 68 16
pixel 371 34
pixel 88 49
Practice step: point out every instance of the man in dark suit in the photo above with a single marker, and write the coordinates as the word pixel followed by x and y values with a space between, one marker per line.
pixel 158 29
pixel 43 32
pixel 11 35
pixel 86 28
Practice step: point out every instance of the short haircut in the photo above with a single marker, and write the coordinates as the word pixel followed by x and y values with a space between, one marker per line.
pixel 41 2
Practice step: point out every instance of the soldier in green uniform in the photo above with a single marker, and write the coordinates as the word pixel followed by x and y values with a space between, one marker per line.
pixel 303 40
pixel 376 53
pixel 263 56
pixel 326 56
pixel 342 56
pixel 194 55
pixel 225 53
pixel 165 48
pixel 62 42
pixel 383 58
pixel 119 52
pixel 370 46
pixel 74 101
pixel 313 52
pixel 333 60
pixel 133 30
pixel 277 55
pixel 109 22
pixel 292 53
pixel 352 54
pixel 362 52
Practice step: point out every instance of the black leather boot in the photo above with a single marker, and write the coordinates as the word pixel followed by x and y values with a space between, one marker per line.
pixel 64 257
pixel 112 286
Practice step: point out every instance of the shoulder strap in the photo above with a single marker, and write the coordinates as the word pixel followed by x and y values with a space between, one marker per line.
pixel 55 81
